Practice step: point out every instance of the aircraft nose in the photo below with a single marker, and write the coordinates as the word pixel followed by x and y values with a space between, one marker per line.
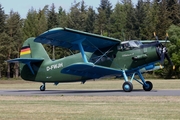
pixel 162 50
pixel 163 53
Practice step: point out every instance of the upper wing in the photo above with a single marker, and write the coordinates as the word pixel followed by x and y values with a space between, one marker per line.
pixel 65 37
pixel 150 41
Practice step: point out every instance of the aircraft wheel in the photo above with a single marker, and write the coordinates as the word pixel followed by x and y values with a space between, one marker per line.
pixel 148 86
pixel 42 88
pixel 127 86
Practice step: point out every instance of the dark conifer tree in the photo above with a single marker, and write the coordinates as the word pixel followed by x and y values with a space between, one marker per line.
pixel 52 18
pixel 118 22
pixel 30 24
pixel 14 31
pixel 173 7
pixel 3 36
pixel 103 18
pixel 62 17
pixel 91 15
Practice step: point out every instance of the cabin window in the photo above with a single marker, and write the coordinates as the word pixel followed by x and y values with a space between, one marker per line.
pixel 124 47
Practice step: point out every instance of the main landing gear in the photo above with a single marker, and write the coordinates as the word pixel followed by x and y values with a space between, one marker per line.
pixel 128 86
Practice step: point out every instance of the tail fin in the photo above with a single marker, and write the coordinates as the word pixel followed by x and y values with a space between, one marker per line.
pixel 33 49
pixel 30 54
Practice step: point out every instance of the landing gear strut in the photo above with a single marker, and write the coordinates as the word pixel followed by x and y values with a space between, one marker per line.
pixel 43 87
pixel 128 86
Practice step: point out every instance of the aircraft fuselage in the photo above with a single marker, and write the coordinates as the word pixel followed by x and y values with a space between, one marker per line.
pixel 115 57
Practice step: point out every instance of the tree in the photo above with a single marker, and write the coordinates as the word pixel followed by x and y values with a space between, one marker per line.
pixel 130 21
pixel 174 51
pixel 62 17
pixel 14 31
pixel 163 19
pixel 52 18
pixel 91 16
pixel 173 7
pixel 2 19
pixel 30 24
pixel 118 21
pixel 77 16
pixel 154 18
pixel 41 21
pixel 100 24
pixel 146 19
pixel 52 22
pixel 141 16
pixel 4 48
pixel 2 38
pixel 103 18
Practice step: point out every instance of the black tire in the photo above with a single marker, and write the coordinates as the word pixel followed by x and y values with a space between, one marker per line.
pixel 148 86
pixel 127 86
pixel 42 88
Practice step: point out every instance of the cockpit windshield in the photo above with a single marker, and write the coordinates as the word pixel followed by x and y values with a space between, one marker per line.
pixel 126 45
pixel 135 44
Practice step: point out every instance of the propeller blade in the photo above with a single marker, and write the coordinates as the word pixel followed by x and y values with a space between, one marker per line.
pixel 166 39
pixel 162 50
pixel 168 58
pixel 174 67
pixel 155 36
pixel 162 58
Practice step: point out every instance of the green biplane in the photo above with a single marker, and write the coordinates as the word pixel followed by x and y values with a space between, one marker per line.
pixel 99 56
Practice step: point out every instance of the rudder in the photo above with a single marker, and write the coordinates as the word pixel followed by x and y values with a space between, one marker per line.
pixel 31 49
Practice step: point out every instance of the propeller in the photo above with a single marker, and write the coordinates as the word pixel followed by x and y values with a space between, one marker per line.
pixel 162 50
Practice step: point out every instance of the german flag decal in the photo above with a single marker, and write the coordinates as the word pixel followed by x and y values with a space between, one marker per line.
pixel 25 50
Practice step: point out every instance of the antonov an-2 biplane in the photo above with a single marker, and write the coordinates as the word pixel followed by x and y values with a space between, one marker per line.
pixel 99 56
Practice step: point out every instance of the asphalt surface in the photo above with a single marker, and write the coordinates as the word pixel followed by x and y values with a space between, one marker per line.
pixel 91 92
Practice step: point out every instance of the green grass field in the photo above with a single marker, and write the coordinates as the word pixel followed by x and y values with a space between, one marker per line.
pixel 89 107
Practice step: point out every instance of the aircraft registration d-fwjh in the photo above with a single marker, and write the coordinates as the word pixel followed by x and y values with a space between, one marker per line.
pixel 99 56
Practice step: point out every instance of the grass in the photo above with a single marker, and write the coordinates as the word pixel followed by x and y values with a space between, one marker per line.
pixel 89 107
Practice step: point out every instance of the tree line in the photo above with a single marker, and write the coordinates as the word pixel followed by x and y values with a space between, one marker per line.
pixel 124 21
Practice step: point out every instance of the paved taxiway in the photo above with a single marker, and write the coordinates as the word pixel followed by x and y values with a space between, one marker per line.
pixel 91 92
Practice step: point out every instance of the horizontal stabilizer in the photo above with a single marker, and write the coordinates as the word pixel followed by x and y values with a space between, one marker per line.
pixel 26 61
pixel 90 70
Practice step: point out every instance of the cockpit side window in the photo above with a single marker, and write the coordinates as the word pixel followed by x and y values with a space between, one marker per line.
pixel 124 46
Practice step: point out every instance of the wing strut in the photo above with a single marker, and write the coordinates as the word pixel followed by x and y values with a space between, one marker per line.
pixel 79 42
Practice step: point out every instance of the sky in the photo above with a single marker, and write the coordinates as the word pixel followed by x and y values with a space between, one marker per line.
pixel 23 6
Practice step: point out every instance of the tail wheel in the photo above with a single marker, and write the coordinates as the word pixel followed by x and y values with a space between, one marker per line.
pixel 127 86
pixel 148 86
